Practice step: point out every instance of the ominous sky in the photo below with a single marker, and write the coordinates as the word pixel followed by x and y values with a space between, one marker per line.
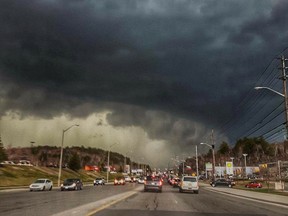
pixel 153 76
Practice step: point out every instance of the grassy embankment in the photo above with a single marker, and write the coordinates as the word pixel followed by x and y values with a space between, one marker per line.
pixel 268 187
pixel 18 176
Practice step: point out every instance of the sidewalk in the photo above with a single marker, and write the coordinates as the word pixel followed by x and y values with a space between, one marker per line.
pixel 271 198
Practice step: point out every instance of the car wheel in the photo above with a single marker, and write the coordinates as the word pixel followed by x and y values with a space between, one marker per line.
pixel 196 191
pixel 43 188
pixel 31 190
pixel 180 190
pixel 50 188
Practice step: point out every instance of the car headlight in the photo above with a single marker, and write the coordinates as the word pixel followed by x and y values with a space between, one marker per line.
pixel 62 185
pixel 74 184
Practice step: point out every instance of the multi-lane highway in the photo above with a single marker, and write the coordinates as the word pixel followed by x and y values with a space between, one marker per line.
pixel 130 200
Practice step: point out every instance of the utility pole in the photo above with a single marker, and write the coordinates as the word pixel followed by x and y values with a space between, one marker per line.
pixel 213 154
pixel 284 78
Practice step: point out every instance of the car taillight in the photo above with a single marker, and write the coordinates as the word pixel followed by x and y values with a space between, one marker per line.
pixel 160 183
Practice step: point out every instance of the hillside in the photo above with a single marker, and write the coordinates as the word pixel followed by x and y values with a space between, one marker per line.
pixel 16 176
pixel 49 156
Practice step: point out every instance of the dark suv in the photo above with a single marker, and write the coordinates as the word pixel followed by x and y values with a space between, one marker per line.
pixel 153 183
pixel 72 184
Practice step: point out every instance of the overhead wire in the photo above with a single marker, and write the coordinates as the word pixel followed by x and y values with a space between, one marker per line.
pixel 252 107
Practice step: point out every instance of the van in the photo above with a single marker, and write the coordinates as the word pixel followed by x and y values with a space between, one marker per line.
pixel 189 184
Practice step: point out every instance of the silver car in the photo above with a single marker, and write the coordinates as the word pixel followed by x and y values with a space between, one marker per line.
pixel 72 184
pixel 41 185
pixel 99 181
pixel 153 183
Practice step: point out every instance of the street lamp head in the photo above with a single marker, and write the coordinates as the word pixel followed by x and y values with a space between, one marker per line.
pixel 257 88
pixel 245 155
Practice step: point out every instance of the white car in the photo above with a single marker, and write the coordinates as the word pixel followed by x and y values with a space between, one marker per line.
pixel 41 185
pixel 189 184
pixel 127 179
pixel 141 180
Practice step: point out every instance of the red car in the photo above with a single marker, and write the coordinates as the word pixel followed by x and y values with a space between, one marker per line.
pixel 119 181
pixel 253 184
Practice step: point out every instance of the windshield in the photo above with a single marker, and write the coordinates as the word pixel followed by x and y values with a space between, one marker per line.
pixel 153 178
pixel 189 179
pixel 40 181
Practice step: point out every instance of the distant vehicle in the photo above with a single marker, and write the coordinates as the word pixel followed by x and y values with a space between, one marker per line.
pixel 133 179
pixel 128 179
pixel 176 182
pixel 153 183
pixel 24 163
pixel 141 180
pixel 189 184
pixel 8 163
pixel 99 181
pixel 254 184
pixel 72 184
pixel 119 181
pixel 221 182
pixel 41 185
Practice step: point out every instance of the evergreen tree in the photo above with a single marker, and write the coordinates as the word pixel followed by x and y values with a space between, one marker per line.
pixel 74 162
pixel 3 155
pixel 224 148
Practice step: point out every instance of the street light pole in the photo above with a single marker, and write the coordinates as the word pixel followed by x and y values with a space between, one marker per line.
pixel 245 155
pixel 232 158
pixel 61 153
pixel 213 155
pixel 108 162
pixel 197 168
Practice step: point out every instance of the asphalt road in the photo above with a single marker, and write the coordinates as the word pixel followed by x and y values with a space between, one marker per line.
pixel 209 203
pixel 44 203
pixel 130 200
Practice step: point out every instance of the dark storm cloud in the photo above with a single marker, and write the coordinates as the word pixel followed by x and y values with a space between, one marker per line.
pixel 185 59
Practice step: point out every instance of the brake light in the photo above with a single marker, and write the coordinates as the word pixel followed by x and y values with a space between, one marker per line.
pixel 160 183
